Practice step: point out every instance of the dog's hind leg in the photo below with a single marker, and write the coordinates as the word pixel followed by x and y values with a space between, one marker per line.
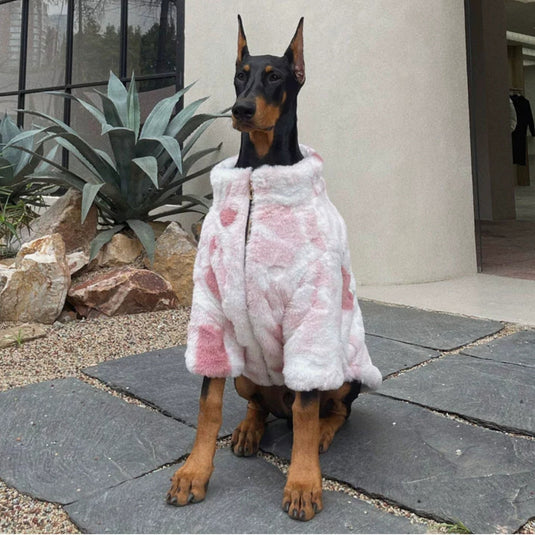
pixel 335 409
pixel 190 482
pixel 246 437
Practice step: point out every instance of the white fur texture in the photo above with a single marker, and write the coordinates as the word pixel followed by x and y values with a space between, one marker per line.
pixel 279 307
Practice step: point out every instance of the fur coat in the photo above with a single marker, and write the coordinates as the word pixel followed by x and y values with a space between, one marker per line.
pixel 274 296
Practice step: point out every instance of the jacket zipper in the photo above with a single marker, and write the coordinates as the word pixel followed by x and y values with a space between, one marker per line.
pixel 247 234
pixel 248 223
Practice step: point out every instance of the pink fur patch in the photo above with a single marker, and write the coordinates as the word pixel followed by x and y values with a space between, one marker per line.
pixel 213 246
pixel 227 216
pixel 280 220
pixel 347 296
pixel 211 357
pixel 211 282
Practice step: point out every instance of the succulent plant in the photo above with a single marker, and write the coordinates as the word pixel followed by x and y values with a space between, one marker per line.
pixel 15 165
pixel 150 163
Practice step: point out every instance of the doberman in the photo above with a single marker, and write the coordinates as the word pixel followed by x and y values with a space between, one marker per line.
pixel 265 113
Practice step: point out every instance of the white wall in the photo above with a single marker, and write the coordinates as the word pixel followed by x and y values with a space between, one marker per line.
pixel 385 104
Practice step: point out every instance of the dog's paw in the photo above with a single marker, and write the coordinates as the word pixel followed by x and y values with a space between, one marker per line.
pixel 326 437
pixel 246 438
pixel 188 486
pixel 302 500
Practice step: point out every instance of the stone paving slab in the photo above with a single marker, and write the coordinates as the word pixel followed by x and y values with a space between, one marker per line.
pixel 517 348
pixel 244 496
pixel 161 379
pixel 436 330
pixel 502 395
pixel 391 356
pixel 62 440
pixel 429 463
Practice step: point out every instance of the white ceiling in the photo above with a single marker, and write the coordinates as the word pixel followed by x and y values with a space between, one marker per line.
pixel 520 16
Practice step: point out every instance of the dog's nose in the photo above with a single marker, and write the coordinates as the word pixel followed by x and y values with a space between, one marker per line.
pixel 244 110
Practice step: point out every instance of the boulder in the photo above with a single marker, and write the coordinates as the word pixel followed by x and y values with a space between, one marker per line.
pixel 119 251
pixel 77 260
pixel 174 258
pixel 34 288
pixel 7 262
pixel 122 291
pixel 64 217
pixel 159 227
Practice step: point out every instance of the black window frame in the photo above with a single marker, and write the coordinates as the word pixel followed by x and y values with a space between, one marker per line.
pixel 68 86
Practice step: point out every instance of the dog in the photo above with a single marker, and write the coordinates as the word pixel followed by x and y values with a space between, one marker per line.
pixel 274 302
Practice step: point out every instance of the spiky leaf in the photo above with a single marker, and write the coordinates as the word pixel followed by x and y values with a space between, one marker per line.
pixel 158 120
pixel 88 196
pixel 118 95
pixel 133 109
pixel 145 234
pixel 149 166
pixel 171 146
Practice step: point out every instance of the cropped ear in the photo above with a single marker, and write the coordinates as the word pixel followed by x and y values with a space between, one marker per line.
pixel 295 55
pixel 242 43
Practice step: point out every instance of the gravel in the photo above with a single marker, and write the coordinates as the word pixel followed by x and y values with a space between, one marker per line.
pixel 64 352
pixel 70 347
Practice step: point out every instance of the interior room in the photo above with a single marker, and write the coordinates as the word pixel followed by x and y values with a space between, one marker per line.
pixel 507 238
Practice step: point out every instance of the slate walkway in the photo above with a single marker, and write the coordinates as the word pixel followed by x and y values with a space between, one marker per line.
pixel 450 435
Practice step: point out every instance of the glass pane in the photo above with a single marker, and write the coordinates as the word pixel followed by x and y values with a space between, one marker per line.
pixel 152 36
pixel 96 48
pixel 10 24
pixel 47 104
pixel 47 27
pixel 9 105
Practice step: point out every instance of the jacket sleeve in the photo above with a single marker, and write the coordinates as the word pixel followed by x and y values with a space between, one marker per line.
pixel 212 349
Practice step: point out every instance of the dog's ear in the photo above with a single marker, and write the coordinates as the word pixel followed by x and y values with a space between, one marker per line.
pixel 295 55
pixel 242 43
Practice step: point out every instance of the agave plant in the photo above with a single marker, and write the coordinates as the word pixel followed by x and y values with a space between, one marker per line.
pixel 16 165
pixel 150 163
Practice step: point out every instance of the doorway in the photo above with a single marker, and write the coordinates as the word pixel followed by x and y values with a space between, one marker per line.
pixel 501 69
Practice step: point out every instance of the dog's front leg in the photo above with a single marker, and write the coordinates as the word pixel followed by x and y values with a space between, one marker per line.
pixel 190 482
pixel 302 493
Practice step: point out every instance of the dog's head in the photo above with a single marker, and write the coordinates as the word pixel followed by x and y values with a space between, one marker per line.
pixel 266 86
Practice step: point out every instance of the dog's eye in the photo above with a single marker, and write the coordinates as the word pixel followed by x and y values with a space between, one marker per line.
pixel 241 76
pixel 274 77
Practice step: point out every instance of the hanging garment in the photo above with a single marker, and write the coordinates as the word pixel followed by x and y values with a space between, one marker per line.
pixel 512 114
pixel 274 297
pixel 524 119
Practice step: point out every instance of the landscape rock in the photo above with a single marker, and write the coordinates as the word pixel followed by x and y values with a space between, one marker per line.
pixel 6 262
pixel 35 287
pixel 77 260
pixel 120 251
pixel 64 217
pixel 174 258
pixel 122 291
pixel 20 334
pixel 158 227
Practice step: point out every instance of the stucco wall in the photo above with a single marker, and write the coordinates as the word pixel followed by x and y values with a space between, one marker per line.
pixel 385 104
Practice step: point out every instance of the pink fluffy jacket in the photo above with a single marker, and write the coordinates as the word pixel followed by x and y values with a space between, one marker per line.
pixel 274 297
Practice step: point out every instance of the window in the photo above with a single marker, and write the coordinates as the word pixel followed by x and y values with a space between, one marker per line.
pixel 71 45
